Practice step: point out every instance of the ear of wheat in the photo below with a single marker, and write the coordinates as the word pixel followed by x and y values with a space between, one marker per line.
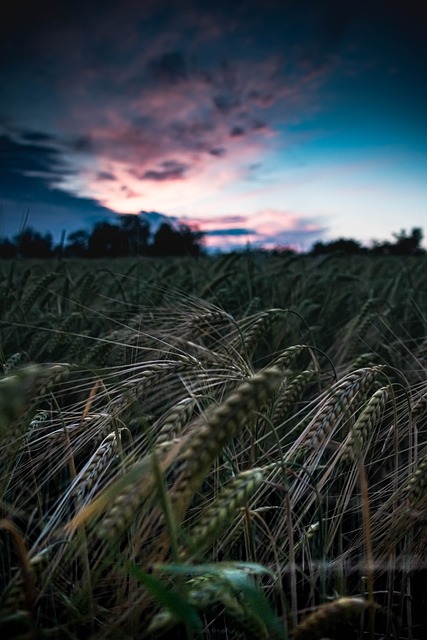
pixel 323 622
pixel 202 445
pixel 219 514
pixel 367 420
pixel 338 404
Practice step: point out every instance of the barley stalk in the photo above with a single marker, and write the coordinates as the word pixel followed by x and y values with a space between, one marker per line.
pixel 38 290
pixel 286 357
pixel 290 395
pixel 365 423
pixel 124 499
pixel 92 471
pixel 202 446
pixel 415 487
pixel 11 363
pixel 171 424
pixel 261 324
pixel 219 514
pixel 419 409
pixel 20 393
pixel 337 405
pixel 204 322
pixel 322 622
pixel 156 372
pixel 21 591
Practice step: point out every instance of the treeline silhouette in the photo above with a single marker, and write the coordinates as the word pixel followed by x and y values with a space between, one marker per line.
pixel 404 245
pixel 130 237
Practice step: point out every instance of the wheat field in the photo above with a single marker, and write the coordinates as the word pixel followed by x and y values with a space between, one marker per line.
pixel 224 448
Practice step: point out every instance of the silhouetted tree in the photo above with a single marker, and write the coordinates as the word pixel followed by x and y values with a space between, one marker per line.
pixel 31 244
pixel 105 241
pixel 405 245
pixel 343 245
pixel 171 242
pixel 78 244
pixel 408 245
pixel 192 241
pixel 134 235
pixel 164 243
pixel 8 249
pixel 131 235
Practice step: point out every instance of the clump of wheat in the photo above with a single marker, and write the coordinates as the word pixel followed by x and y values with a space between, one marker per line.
pixel 323 622
pixel 203 444
pixel 152 374
pixel 219 514
pixel 367 420
pixel 291 393
pixel 415 487
pixel 194 455
pixel 171 424
pixel 37 291
pixel 11 363
pixel 258 326
pixel 338 405
pixel 286 357
pixel 419 409
pixel 125 498
pixel 20 393
pixel 88 477
pixel 217 463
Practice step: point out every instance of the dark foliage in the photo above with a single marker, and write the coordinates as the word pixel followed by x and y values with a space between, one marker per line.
pixel 31 244
pixel 8 249
pixel 349 247
pixel 404 245
pixel 171 242
pixel 130 237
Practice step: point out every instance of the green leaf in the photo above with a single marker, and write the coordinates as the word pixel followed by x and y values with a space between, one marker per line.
pixel 181 610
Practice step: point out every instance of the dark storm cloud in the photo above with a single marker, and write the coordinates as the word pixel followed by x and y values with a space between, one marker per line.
pixel 112 33
pixel 226 103
pixel 191 135
pixel 170 170
pixel 36 136
pixel 32 173
pixel 219 152
pixel 105 175
pixel 124 87
pixel 237 131
pixel 137 84
pixel 258 124
pixel 83 144
pixel 168 67
pixel 231 232
pixel 26 158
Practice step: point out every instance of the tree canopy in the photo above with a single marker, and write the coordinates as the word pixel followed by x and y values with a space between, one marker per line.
pixel 404 245
pixel 130 236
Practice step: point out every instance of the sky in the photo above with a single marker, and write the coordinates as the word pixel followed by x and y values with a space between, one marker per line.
pixel 261 122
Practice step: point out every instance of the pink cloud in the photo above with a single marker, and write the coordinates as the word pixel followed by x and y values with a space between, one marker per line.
pixel 213 222
pixel 268 228
pixel 172 133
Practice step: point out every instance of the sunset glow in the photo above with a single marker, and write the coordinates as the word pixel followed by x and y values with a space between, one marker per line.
pixel 265 123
